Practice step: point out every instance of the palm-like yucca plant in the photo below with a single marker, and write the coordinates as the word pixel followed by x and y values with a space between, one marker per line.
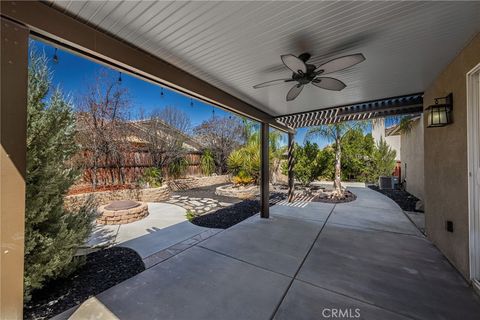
pixel 244 163
pixel 178 167
pixel 151 178
pixel 207 162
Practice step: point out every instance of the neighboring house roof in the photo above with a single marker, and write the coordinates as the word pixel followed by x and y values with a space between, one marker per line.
pixel 137 128
pixel 189 142
pixel 393 131
pixel 396 129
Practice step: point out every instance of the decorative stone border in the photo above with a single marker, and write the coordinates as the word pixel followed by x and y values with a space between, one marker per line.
pixel 145 195
pixel 148 194
pixel 122 216
pixel 196 182
pixel 240 192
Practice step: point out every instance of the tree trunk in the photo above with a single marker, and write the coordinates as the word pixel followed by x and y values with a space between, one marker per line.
pixel 337 184
pixel 94 172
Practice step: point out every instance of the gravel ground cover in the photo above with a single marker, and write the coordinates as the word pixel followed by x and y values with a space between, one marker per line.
pixel 405 200
pixel 226 217
pixel 103 269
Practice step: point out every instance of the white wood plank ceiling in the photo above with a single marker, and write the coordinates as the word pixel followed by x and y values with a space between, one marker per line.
pixel 237 44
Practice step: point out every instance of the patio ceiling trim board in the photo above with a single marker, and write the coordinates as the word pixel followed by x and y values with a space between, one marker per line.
pixel 75 35
pixel 400 105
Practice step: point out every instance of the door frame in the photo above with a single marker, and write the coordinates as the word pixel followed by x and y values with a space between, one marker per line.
pixel 473 137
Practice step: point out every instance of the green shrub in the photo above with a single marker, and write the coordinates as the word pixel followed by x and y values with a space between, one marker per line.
pixel 177 168
pixel 151 178
pixel 207 163
pixel 357 151
pixel 52 233
pixel 190 215
pixel 326 163
pixel 306 168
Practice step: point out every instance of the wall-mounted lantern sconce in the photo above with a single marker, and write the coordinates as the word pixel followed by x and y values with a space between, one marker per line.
pixel 440 114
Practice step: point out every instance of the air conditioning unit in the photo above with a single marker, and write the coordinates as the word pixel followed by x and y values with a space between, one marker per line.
pixel 385 182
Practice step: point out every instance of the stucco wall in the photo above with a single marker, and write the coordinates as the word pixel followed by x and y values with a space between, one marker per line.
pixel 412 154
pixel 378 129
pixel 395 143
pixel 446 185
pixel 378 132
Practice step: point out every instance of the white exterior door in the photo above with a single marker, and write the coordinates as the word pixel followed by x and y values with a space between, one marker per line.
pixel 473 105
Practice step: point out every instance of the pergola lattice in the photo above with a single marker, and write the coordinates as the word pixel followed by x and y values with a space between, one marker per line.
pixel 403 105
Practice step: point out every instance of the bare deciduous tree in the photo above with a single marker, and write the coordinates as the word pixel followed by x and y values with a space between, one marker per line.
pixel 175 118
pixel 165 133
pixel 221 136
pixel 102 112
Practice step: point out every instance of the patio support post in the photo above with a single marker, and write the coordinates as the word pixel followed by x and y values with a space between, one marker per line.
pixel 264 171
pixel 13 120
pixel 291 162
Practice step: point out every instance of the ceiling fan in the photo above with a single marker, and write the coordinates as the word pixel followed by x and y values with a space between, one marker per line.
pixel 304 73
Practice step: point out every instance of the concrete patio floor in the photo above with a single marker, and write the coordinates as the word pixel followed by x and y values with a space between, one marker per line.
pixel 165 226
pixel 364 258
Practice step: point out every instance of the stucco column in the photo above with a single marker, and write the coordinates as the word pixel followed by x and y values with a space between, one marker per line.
pixel 264 172
pixel 291 162
pixel 13 115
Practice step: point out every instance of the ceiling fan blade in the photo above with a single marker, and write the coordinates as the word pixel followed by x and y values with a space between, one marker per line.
pixel 340 63
pixel 329 83
pixel 293 63
pixel 294 92
pixel 271 83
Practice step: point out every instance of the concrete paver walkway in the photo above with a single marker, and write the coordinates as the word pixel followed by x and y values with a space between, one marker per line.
pixel 362 260
pixel 198 206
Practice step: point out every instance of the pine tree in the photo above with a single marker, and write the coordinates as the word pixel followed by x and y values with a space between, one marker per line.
pixel 383 160
pixel 52 233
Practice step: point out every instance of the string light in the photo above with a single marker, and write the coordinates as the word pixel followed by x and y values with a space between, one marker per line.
pixel 55 57
pixel 119 77
pixel 161 92
pixel 213 113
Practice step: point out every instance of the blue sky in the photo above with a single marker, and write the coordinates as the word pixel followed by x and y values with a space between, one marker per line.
pixel 74 73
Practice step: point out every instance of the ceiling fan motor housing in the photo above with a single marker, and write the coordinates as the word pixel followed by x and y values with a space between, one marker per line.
pixel 305 78
pixel 304 56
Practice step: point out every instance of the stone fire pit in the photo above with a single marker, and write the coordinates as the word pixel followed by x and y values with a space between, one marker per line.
pixel 122 212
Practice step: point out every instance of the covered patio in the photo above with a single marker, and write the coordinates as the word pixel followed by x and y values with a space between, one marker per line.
pixel 363 259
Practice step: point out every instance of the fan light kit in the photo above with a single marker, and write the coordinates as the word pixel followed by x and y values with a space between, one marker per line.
pixel 304 73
